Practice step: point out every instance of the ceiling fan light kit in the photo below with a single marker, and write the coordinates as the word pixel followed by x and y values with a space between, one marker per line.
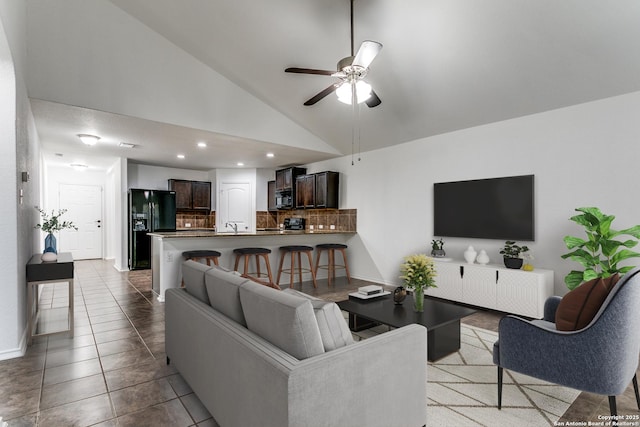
pixel 351 71
pixel 363 92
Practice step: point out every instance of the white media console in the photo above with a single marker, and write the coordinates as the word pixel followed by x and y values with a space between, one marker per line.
pixel 494 286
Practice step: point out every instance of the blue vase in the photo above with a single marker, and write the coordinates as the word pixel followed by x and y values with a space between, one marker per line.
pixel 50 244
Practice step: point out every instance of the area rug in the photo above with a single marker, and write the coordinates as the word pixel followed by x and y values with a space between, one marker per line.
pixel 462 389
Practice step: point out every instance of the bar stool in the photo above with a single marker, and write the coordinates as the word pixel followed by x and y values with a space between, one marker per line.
pixel 294 250
pixel 258 253
pixel 206 255
pixel 331 266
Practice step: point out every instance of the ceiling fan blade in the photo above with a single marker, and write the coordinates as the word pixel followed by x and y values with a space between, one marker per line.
pixel 366 54
pixel 373 100
pixel 309 71
pixel 322 94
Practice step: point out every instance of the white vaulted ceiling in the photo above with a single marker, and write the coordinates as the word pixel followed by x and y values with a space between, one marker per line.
pixel 163 74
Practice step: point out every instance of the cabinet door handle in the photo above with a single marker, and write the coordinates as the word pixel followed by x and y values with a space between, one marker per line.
pixel 462 271
pixel 497 276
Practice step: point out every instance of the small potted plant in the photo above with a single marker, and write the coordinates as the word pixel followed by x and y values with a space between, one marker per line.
pixel 51 224
pixel 418 273
pixel 512 254
pixel 437 248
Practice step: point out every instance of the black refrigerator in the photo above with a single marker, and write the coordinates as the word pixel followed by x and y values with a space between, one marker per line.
pixel 149 211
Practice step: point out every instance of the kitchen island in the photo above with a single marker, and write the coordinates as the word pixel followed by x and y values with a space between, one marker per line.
pixel 167 248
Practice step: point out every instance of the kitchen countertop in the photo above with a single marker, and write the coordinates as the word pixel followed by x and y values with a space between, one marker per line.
pixel 209 233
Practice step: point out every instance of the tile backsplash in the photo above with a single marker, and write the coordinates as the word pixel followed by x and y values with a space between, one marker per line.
pixel 197 220
pixel 342 219
pixel 320 219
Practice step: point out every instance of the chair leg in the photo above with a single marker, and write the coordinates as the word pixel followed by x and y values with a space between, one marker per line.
pixel 269 274
pixel 635 388
pixel 282 256
pixel 500 374
pixel 346 266
pixel 313 272
pixel 612 405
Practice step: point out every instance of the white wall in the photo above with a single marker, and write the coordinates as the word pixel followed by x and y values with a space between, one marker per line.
pixel 19 151
pixel 584 155
pixel 263 176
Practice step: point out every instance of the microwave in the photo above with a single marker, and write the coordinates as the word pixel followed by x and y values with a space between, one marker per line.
pixel 284 200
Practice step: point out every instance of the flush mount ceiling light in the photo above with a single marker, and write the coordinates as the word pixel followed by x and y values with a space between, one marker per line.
pixel 126 145
pixel 88 139
pixel 180 156
pixel 270 155
pixel 202 144
pixel 240 164
pixel 79 166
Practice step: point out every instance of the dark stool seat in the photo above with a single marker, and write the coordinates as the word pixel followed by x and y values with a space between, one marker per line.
pixel 259 253
pixel 208 255
pixel 331 266
pixel 294 250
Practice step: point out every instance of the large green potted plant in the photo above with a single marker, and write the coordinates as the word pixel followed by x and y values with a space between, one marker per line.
pixel 418 273
pixel 599 253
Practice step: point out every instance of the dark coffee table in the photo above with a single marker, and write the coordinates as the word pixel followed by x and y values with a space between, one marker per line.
pixel 441 319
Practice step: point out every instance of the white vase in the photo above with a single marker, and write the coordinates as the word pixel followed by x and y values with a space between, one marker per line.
pixel 483 258
pixel 470 255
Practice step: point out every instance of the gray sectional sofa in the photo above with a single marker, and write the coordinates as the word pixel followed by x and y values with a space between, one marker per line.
pixel 256 356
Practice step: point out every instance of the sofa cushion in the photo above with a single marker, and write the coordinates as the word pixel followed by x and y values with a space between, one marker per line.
pixel 193 276
pixel 334 330
pixel 285 320
pixel 579 307
pixel 223 290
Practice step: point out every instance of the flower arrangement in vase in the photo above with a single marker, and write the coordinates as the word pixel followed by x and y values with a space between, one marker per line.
pixel 418 272
pixel 51 224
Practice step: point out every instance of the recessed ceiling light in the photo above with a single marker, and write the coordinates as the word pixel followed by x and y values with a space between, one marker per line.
pixel 202 144
pixel 126 145
pixel 181 156
pixel 270 155
pixel 79 166
pixel 240 164
pixel 88 139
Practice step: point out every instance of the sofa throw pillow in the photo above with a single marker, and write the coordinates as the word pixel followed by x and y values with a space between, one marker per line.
pixel 193 276
pixel 334 330
pixel 284 320
pixel 579 307
pixel 223 290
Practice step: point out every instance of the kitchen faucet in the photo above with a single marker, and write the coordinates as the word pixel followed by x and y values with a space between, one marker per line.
pixel 232 225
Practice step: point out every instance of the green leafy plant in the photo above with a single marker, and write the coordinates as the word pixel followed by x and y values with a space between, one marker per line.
pixel 51 223
pixel 511 250
pixel 418 272
pixel 599 253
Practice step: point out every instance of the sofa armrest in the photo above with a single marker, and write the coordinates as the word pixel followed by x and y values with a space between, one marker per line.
pixel 550 308
pixel 354 385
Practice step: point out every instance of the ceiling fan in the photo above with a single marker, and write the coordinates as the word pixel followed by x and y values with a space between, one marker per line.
pixel 351 71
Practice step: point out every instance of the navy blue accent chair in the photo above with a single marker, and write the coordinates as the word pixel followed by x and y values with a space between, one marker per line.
pixel 601 358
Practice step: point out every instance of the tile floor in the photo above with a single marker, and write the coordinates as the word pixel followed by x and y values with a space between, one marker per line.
pixel 113 371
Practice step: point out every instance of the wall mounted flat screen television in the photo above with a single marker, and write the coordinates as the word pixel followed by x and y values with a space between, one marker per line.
pixel 495 208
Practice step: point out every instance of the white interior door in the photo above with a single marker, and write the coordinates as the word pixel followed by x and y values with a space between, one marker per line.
pixel 84 209
pixel 235 207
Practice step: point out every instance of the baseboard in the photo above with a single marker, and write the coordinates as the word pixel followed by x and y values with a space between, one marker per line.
pixel 17 352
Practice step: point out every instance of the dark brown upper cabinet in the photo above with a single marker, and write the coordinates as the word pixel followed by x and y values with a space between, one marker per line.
pixel 271 196
pixel 191 195
pixel 327 188
pixel 286 178
pixel 305 191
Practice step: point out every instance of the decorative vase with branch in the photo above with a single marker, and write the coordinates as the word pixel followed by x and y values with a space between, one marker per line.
pixel 418 273
pixel 599 253
pixel 50 224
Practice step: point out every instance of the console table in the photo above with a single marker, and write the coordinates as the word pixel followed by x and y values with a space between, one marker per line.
pixel 493 286
pixel 38 273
